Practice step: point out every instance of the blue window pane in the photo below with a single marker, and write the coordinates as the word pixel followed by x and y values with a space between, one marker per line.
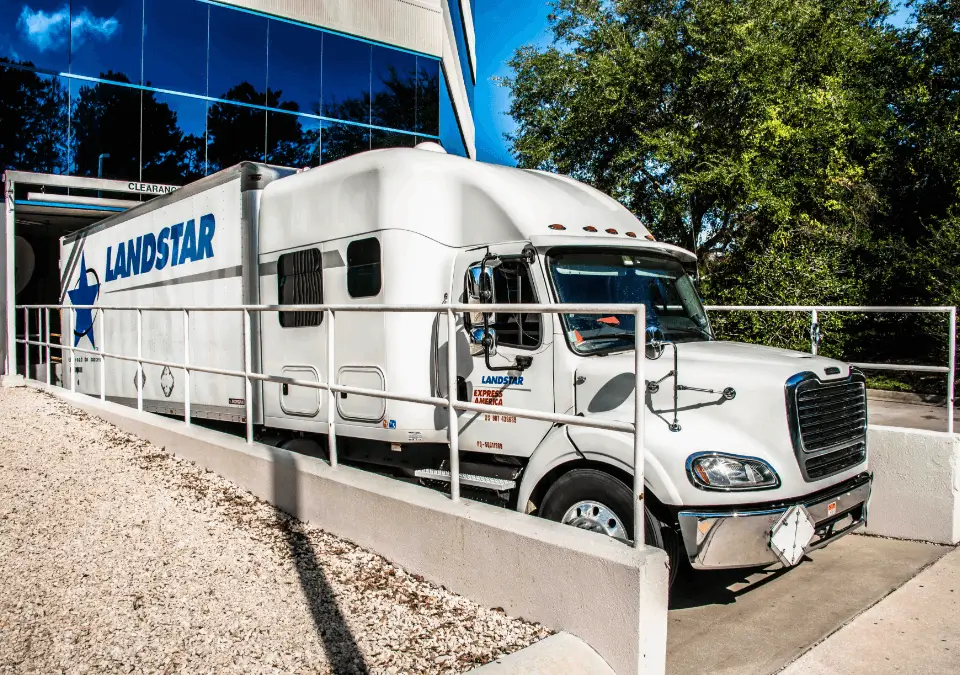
pixel 391 139
pixel 394 96
pixel 105 119
pixel 33 121
pixel 293 140
pixel 234 134
pixel 36 32
pixel 450 136
pixel 175 45
pixel 462 53
pixel 294 67
pixel 174 135
pixel 238 52
pixel 346 79
pixel 342 140
pixel 105 39
pixel 428 96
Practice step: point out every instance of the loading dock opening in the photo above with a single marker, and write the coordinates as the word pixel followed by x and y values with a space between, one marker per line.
pixel 38 210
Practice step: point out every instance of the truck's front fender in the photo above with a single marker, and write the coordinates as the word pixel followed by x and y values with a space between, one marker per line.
pixel 564 445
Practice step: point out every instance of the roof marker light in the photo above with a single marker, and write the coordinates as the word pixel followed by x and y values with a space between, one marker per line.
pixel 632 234
pixel 589 228
pixel 557 226
pixel 610 230
pixel 650 237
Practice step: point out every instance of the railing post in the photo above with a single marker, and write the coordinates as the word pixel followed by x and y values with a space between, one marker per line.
pixel 248 385
pixel 46 339
pixel 186 366
pixel 26 343
pixel 8 230
pixel 73 356
pixel 639 403
pixel 103 358
pixel 453 430
pixel 139 362
pixel 331 394
pixel 952 365
pixel 814 320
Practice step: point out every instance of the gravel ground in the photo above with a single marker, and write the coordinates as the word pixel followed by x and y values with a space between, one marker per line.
pixel 115 556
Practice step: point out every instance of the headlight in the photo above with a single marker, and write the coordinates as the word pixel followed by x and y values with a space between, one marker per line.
pixel 717 471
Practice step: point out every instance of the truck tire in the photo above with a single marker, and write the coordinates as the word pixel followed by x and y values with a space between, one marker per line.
pixel 596 501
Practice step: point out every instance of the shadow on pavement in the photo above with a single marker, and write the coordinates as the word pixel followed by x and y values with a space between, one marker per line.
pixel 721 587
pixel 341 648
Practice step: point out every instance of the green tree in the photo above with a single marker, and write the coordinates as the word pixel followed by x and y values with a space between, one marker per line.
pixel 709 118
pixel 914 258
pixel 751 131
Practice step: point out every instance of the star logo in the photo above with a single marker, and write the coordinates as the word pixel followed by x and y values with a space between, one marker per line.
pixel 84 293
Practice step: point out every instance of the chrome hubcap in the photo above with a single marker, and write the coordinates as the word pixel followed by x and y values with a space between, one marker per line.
pixel 596 517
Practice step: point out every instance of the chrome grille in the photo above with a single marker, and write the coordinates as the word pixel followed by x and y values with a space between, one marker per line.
pixel 828 423
pixel 831 413
pixel 835 461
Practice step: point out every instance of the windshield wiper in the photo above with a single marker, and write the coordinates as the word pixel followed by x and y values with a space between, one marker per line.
pixel 608 336
pixel 696 331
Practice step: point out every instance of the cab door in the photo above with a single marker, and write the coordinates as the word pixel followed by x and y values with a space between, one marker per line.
pixel 528 337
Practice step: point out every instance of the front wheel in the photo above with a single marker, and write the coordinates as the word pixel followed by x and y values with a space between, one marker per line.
pixel 596 501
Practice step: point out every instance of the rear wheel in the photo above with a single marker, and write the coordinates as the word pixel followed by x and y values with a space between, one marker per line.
pixel 596 501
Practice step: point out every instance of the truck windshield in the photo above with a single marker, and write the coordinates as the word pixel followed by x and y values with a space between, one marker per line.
pixel 660 283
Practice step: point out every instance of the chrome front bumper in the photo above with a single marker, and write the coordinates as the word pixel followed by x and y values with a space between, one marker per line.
pixel 717 539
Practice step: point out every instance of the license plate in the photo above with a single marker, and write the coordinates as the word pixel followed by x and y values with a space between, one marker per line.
pixel 792 534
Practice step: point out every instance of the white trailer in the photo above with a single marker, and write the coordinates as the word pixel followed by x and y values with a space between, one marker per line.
pixel 745 444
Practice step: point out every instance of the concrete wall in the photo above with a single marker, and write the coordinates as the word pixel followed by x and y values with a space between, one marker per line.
pixel 454 74
pixel 610 595
pixel 916 484
pixel 413 24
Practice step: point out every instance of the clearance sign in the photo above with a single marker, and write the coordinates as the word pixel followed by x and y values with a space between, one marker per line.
pixel 150 188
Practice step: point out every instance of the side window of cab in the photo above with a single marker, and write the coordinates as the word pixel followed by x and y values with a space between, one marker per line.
pixel 513 285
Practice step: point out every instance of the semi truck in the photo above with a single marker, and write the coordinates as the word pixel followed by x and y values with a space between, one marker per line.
pixel 754 456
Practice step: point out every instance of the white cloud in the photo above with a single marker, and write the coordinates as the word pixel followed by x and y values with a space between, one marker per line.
pixel 51 31
pixel 45 31
pixel 85 25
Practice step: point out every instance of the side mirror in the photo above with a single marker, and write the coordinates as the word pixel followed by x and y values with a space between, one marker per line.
pixel 654 343
pixel 481 287
pixel 483 342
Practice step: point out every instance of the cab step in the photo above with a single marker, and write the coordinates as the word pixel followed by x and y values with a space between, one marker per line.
pixel 482 482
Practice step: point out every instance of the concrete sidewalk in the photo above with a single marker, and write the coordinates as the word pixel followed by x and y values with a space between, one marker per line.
pixel 912 630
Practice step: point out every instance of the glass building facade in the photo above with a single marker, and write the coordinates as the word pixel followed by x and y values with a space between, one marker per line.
pixel 167 91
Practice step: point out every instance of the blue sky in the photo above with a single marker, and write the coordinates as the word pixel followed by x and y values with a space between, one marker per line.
pixel 501 27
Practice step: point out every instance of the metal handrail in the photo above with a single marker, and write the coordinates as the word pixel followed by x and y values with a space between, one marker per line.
pixel 332 388
pixel 949 369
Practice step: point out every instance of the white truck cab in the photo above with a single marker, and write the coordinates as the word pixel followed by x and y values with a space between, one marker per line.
pixel 745 445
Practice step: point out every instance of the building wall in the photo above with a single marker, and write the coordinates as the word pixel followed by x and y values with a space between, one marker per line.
pixel 460 74
pixel 175 89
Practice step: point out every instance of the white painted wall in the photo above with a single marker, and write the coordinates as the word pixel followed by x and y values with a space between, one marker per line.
pixel 454 74
pixel 412 24
pixel 916 486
